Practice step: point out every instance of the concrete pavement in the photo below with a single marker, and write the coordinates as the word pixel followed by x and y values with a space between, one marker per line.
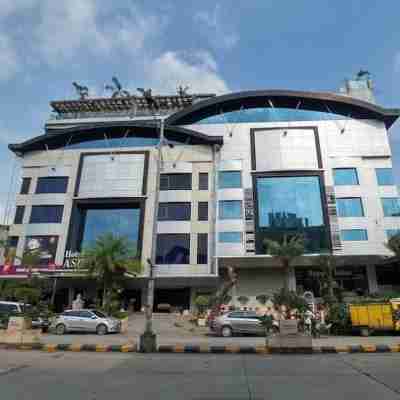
pixel 66 376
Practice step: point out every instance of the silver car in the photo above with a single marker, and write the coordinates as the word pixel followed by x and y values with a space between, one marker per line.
pixel 237 322
pixel 85 321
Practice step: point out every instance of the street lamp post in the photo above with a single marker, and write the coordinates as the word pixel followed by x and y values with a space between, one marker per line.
pixel 148 340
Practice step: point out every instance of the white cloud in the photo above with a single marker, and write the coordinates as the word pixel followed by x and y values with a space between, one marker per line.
pixel 8 58
pixel 195 69
pixel 215 28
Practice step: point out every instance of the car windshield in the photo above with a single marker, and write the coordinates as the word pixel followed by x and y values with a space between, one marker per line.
pixel 99 314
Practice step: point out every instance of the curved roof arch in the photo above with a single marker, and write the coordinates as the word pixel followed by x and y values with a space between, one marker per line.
pixel 313 101
pixel 59 137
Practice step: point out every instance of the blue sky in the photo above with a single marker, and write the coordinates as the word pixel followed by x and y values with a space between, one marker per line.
pixel 213 46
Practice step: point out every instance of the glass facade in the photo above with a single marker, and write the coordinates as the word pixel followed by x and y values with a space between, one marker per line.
pixel 345 176
pixel 354 234
pixel 275 114
pixel 173 248
pixel 52 184
pixel 230 209
pixel 392 232
pixel 46 214
pixel 202 248
pixel 230 237
pixel 46 245
pixel 391 207
pixel 19 215
pixel 290 205
pixel 203 181
pixel 174 212
pixel 114 142
pixel 26 183
pixel 349 207
pixel 384 176
pixel 122 222
pixel 203 211
pixel 229 179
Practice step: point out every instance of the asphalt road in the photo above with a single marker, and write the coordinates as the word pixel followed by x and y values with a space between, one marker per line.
pixel 95 376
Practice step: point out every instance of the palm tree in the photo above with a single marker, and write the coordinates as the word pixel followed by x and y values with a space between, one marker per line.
pixel 108 259
pixel 285 252
pixel 328 265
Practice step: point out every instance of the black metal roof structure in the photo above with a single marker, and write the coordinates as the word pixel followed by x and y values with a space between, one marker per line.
pixel 55 138
pixel 313 101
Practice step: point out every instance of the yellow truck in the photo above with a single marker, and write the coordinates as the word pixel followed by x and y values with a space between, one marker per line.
pixel 375 316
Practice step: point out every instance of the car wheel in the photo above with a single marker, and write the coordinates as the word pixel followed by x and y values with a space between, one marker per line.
pixel 60 329
pixel 226 331
pixel 101 329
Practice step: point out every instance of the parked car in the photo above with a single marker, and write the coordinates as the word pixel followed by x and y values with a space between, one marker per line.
pixel 237 322
pixel 10 308
pixel 85 321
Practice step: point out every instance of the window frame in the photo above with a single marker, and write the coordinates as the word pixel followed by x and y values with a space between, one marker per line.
pixel 25 185
pixel 383 207
pixel 166 184
pixel 19 215
pixel 346 169
pixel 46 181
pixel 203 181
pixel 169 237
pixel 221 202
pixel 202 211
pixel 354 230
pixel 163 208
pixel 222 185
pixel 202 259
pixel 350 216
pixel 34 220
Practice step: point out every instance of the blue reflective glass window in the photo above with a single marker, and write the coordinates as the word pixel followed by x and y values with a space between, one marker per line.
pixel 52 184
pixel 121 222
pixel 229 179
pixel 392 232
pixel 289 202
pixel 19 215
pixel 354 234
pixel 114 142
pixel 230 237
pixel 384 176
pixel 345 176
pixel 391 207
pixel 173 248
pixel 230 209
pixel 349 207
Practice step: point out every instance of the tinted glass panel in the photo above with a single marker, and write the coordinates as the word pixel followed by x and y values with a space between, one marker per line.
pixel 13 241
pixel 345 176
pixel 230 237
pixel 349 207
pixel 47 246
pixel 19 214
pixel 174 212
pixel 229 179
pixel 230 209
pixel 288 206
pixel 391 207
pixel 46 214
pixel 53 184
pixel 114 142
pixel 203 181
pixel 99 314
pixel 384 176
pixel 354 234
pixel 173 249
pixel 203 211
pixel 202 248
pixel 392 232
pixel 26 183
pixel 176 182
pixel 85 314
pixel 121 222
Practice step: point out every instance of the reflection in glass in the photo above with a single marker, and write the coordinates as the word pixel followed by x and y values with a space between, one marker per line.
pixel 114 142
pixel 391 207
pixel 354 234
pixel 229 179
pixel 230 209
pixel 122 222
pixel 392 232
pixel 345 176
pixel 349 207
pixel 173 248
pixel 384 176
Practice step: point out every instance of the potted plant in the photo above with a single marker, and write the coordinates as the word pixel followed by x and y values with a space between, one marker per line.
pixel 202 303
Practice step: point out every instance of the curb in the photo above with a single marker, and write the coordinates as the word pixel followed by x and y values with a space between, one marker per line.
pixel 229 349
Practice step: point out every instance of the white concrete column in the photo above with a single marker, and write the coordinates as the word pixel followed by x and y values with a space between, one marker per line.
pixel 291 277
pixel 371 276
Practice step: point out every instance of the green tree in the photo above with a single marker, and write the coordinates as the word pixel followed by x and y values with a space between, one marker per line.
pixel 285 251
pixel 327 280
pixel 109 259
pixel 393 244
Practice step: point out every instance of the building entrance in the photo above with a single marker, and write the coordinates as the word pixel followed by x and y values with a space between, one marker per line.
pixel 176 298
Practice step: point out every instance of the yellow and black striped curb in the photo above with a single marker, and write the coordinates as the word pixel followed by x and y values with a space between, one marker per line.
pixel 228 349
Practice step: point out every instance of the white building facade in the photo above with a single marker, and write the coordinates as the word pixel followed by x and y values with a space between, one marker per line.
pixel 229 172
